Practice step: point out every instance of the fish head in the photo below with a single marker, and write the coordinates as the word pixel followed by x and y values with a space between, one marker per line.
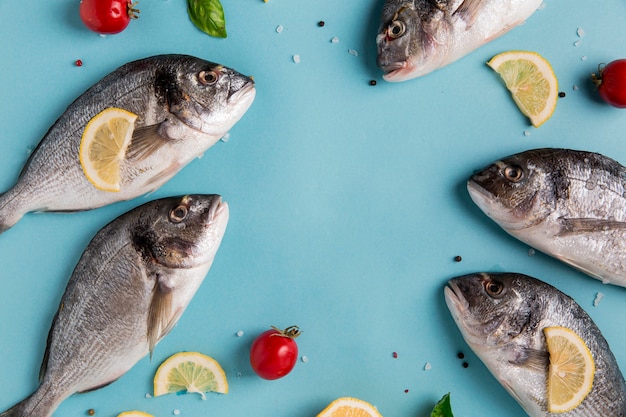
pixel 181 232
pixel 411 42
pixel 491 310
pixel 515 192
pixel 206 96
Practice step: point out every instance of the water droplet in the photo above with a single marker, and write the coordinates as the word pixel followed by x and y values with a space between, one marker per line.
pixel 334 40
pixel 304 359
pixel 353 52
pixel 296 59
pixel 279 28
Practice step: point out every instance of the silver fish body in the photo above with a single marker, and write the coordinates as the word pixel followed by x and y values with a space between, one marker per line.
pixel 568 204
pixel 128 290
pixel 417 37
pixel 502 317
pixel 184 106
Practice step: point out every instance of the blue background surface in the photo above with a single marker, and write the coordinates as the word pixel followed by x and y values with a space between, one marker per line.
pixel 348 201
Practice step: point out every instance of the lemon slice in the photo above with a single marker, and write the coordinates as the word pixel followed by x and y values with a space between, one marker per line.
pixel 571 370
pixel 190 372
pixel 349 407
pixel 103 146
pixel 134 413
pixel 531 81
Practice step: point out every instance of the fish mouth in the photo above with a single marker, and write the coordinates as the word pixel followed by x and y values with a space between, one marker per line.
pixel 481 197
pixel 456 302
pixel 247 93
pixel 218 211
pixel 477 192
pixel 398 71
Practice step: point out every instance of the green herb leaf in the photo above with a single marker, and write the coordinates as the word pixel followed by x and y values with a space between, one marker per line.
pixel 443 407
pixel 208 16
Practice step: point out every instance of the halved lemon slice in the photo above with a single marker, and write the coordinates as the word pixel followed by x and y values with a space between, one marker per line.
pixel 349 407
pixel 134 413
pixel 571 369
pixel 531 81
pixel 103 147
pixel 190 372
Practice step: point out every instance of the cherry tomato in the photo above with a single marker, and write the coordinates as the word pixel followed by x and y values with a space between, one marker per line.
pixel 611 82
pixel 107 17
pixel 274 352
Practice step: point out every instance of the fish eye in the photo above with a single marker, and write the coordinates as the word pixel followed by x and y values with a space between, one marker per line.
pixel 513 173
pixel 178 213
pixel 495 289
pixel 208 77
pixel 396 29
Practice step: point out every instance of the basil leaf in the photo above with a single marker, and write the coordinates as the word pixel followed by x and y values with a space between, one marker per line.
pixel 208 16
pixel 443 408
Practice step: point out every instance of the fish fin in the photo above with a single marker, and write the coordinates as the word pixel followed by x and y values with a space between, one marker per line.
pixel 17 410
pixel 11 211
pixel 510 388
pixel 163 176
pixel 161 318
pixel 146 141
pixel 537 360
pixel 97 387
pixel 468 10
pixel 46 355
pixel 574 226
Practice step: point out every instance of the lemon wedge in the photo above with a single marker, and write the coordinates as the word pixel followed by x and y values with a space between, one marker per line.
pixel 134 413
pixel 349 407
pixel 103 147
pixel 532 83
pixel 571 369
pixel 190 372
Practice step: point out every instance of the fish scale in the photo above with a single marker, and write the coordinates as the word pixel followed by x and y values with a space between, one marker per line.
pixel 568 204
pixel 505 330
pixel 417 37
pixel 180 116
pixel 128 290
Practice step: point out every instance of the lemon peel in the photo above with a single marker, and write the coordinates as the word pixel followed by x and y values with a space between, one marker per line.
pixel 349 407
pixel 192 372
pixel 103 147
pixel 571 370
pixel 532 83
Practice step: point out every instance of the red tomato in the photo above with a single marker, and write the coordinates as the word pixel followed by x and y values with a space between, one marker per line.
pixel 611 83
pixel 274 352
pixel 107 17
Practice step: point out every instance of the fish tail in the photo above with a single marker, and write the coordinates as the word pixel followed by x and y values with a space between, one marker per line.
pixel 18 410
pixel 9 214
pixel 41 403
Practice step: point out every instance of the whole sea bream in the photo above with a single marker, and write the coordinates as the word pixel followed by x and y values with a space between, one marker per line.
pixel 419 36
pixel 128 290
pixel 502 318
pixel 569 204
pixel 184 106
